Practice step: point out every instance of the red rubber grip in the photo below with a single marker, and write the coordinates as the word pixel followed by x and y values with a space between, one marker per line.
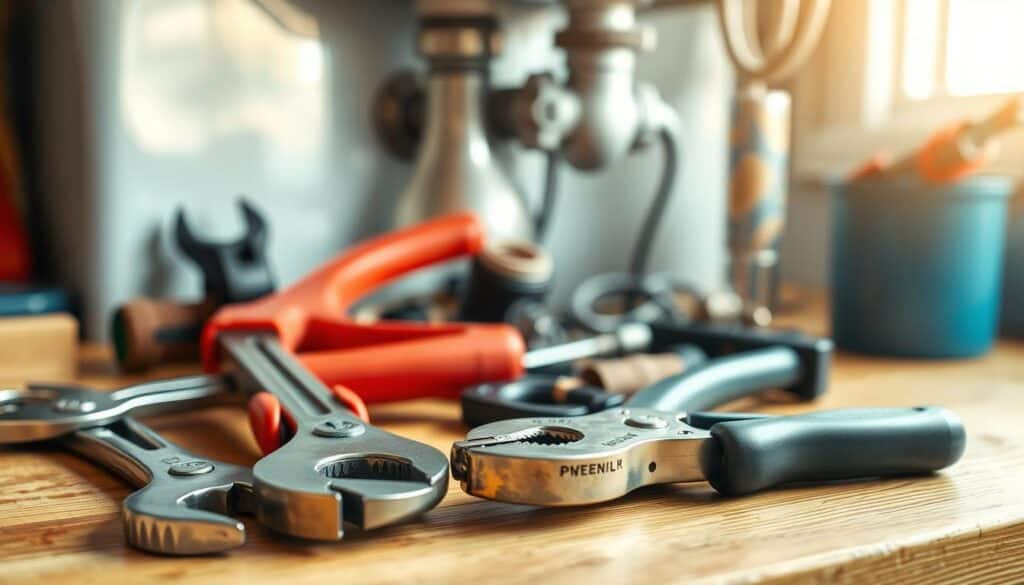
pixel 388 360
pixel 434 366
pixel 266 416
pixel 324 296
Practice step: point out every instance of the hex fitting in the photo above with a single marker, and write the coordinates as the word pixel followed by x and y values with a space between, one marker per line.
pixel 540 114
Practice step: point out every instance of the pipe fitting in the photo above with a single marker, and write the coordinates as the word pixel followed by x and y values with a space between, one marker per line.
pixel 455 169
pixel 539 114
pixel 601 43
pixel 458 34
pixel 656 116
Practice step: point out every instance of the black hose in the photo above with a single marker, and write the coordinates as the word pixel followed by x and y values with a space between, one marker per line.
pixel 548 197
pixel 645 241
pixel 646 297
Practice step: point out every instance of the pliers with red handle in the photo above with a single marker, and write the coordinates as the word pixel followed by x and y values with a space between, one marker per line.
pixel 379 362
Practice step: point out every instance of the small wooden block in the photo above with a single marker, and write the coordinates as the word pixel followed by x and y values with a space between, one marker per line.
pixel 38 348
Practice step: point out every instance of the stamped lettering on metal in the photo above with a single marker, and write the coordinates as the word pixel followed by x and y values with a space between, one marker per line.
pixel 619 439
pixel 590 468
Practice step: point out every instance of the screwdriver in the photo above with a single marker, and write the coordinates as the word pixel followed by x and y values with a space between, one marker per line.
pixel 951 153
pixel 628 338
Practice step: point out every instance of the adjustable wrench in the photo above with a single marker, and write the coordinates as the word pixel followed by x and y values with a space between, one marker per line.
pixel 185 502
pixel 47 411
pixel 335 468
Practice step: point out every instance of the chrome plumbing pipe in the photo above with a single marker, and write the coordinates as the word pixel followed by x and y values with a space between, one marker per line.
pixel 455 168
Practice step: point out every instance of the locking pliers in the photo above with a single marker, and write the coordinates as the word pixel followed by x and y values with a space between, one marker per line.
pixel 655 437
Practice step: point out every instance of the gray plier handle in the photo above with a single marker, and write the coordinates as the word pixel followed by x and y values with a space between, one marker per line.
pixel 750 452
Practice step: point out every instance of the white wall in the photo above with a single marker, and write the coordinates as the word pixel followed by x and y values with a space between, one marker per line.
pixel 194 102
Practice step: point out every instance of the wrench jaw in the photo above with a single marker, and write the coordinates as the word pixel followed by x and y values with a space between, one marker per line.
pixel 296 502
pixel 379 490
pixel 199 522
pixel 370 509
pixel 361 481
pixel 172 530
pixel 335 468
pixel 577 461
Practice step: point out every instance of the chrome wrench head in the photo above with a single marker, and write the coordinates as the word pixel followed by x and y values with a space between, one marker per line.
pixel 335 469
pixel 578 460
pixel 185 504
pixel 362 475
pixel 47 411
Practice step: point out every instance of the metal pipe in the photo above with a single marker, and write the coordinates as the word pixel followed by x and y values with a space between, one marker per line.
pixel 455 169
pixel 601 42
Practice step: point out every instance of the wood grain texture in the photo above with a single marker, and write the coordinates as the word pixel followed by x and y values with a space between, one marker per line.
pixel 59 518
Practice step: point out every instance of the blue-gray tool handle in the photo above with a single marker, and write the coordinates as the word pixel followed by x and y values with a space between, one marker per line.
pixel 748 456
pixel 723 380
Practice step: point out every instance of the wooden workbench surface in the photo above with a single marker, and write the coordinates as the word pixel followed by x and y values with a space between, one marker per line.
pixel 60 523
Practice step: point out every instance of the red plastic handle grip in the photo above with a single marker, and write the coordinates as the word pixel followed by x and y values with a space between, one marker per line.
pixel 266 417
pixel 325 295
pixel 431 366
pixel 388 360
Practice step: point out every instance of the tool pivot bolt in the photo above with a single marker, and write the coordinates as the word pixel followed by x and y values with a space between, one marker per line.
pixel 74 405
pixel 646 421
pixel 338 428
pixel 190 468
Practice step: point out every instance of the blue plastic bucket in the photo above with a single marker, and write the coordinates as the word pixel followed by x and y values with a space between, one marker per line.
pixel 1013 275
pixel 917 268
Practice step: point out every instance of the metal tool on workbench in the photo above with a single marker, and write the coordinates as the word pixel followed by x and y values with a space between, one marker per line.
pixel 660 436
pixel 185 503
pixel 394 360
pixel 335 468
pixel 48 411
pixel 551 395
pixel 628 338
pixel 544 395
pixel 148 331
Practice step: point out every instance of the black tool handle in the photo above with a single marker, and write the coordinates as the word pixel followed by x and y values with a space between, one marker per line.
pixel 719 339
pixel 723 380
pixel 706 420
pixel 530 396
pixel 743 457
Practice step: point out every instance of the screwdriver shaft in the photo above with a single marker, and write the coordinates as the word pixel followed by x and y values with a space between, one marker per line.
pixel 628 338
